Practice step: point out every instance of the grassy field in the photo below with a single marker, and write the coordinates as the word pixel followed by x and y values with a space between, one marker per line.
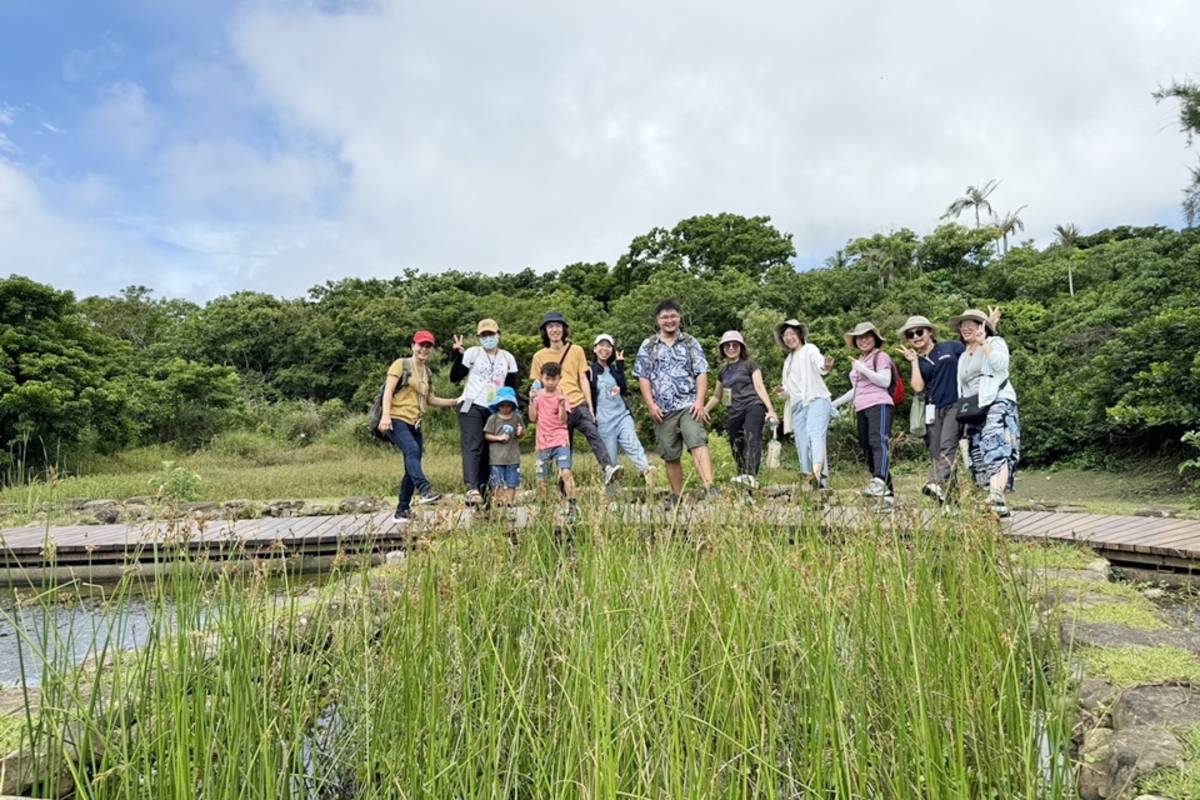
pixel 256 467
pixel 729 662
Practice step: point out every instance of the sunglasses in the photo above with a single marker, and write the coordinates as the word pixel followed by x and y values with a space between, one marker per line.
pixel 728 345
pixel 424 345
pixel 914 333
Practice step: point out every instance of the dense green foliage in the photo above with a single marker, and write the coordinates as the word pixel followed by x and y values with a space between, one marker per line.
pixel 1102 329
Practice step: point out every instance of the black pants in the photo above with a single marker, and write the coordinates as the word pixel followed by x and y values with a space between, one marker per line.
pixel 745 426
pixel 582 420
pixel 475 466
pixel 874 428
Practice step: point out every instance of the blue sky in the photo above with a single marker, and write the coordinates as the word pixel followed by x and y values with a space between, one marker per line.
pixel 201 148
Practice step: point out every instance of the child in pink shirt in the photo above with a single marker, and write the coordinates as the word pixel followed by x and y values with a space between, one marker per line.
pixel 548 409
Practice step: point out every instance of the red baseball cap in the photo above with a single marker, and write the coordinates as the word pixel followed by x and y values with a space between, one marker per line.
pixel 424 337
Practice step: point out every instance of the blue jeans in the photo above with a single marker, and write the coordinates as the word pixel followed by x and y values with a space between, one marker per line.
pixel 409 441
pixel 622 434
pixel 810 425
pixel 506 476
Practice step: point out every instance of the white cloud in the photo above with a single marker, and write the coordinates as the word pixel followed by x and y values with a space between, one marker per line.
pixel 7 145
pixel 8 114
pixel 537 133
pixel 92 63
pixel 124 118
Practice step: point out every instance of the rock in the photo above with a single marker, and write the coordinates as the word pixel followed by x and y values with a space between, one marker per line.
pixel 318 510
pixel 1101 566
pixel 1155 512
pixel 1096 696
pixel 206 507
pixel 1062 574
pixel 394 557
pixel 73 503
pixel 1164 705
pixel 1094 756
pixel 778 490
pixel 1109 634
pixel 1058 595
pixel 242 509
pixel 105 512
pixel 1151 797
pixel 142 500
pixel 1137 751
pixel 1154 593
pixel 360 505
pixel 283 508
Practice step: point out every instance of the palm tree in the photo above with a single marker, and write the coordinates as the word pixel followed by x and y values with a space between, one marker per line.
pixel 976 197
pixel 1009 224
pixel 1068 238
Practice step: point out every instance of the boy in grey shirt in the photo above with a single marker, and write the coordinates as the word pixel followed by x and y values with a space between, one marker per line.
pixel 502 430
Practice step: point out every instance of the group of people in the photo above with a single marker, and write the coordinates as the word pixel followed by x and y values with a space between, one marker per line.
pixel 962 390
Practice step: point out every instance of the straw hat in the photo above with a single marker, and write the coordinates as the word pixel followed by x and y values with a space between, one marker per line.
pixel 972 314
pixel 790 323
pixel 859 330
pixel 916 321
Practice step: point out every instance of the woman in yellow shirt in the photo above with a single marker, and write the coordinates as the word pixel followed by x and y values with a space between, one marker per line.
pixel 406 395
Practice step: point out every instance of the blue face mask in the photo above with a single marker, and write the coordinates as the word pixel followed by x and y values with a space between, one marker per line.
pixel 489 342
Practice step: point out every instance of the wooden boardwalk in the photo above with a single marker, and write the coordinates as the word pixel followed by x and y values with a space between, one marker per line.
pixel 34 553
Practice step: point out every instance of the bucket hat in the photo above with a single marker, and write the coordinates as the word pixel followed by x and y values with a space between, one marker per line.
pixel 973 314
pixel 505 394
pixel 859 330
pixel 916 321
pixel 790 323
pixel 487 325
pixel 553 316
pixel 732 336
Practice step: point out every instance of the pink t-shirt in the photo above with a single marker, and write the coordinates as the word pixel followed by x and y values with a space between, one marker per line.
pixel 551 430
pixel 867 394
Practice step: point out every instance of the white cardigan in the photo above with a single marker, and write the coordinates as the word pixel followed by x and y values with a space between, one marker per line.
pixel 995 373
pixel 802 380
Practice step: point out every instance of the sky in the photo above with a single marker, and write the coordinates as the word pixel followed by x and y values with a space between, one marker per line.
pixel 202 148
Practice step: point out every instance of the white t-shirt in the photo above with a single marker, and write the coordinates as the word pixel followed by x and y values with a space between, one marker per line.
pixel 486 375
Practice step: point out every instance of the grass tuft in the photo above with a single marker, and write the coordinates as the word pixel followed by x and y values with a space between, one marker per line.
pixel 1131 666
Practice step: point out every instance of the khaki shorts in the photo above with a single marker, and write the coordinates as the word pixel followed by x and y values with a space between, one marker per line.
pixel 676 431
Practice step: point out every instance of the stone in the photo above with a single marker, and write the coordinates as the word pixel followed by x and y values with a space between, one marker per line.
pixel 1154 593
pixel 360 505
pixel 1062 574
pixel 1094 756
pixel 242 509
pixel 1155 512
pixel 318 510
pixel 1101 566
pixel 283 508
pixel 1161 705
pixel 206 507
pixel 141 500
pixel 1109 634
pixel 73 503
pixel 1137 751
pixel 1060 595
pixel 394 557
pixel 105 512
pixel 1096 696
pixel 1151 797
pixel 92 505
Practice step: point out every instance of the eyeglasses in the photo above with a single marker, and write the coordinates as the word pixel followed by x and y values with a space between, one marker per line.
pixel 913 333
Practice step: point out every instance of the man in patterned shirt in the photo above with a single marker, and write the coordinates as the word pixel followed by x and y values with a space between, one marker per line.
pixel 673 375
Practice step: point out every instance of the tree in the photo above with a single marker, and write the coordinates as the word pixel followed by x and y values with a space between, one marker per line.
pixel 1067 237
pixel 707 245
pixel 1188 95
pixel 1009 224
pixel 976 197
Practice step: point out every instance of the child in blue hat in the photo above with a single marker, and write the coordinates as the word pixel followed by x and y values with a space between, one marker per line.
pixel 502 430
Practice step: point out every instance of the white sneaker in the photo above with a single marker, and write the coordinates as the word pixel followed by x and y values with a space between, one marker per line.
pixel 473 498
pixel 876 488
pixel 931 489
pixel 609 472
pixel 998 504
pixel 742 480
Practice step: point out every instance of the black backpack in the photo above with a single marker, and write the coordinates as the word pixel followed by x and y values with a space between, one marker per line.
pixel 375 415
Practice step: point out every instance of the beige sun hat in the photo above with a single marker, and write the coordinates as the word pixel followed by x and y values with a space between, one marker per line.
pixel 790 323
pixel 732 336
pixel 486 325
pixel 859 330
pixel 916 321
pixel 973 314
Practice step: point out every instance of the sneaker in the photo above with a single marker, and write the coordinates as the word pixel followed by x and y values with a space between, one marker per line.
pixel 402 516
pixel 876 488
pixel 998 504
pixel 673 502
pixel 742 480
pixel 427 497
pixel 610 471
pixel 712 492
pixel 473 498
pixel 931 489
pixel 887 502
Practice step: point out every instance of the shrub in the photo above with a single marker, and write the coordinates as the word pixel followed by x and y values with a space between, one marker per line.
pixel 257 448
pixel 175 484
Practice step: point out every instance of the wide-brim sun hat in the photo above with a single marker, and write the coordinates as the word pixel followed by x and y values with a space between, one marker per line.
pixel 487 325
pixel 732 336
pixel 604 337
pixel 916 321
pixel 861 329
pixel 972 314
pixel 790 323
pixel 505 394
